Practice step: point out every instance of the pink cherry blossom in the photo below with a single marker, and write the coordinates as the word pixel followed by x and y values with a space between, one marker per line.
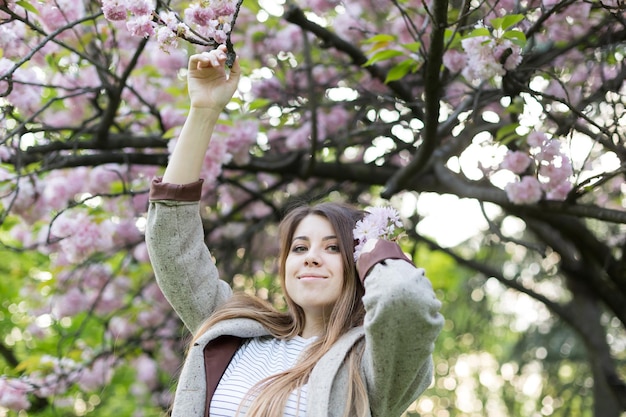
pixel 71 303
pixel 199 14
pixel 536 138
pixel 299 137
pixel 100 178
pixel 350 26
pixel 239 138
pixel 515 57
pixel 167 39
pixel 322 6
pixel 378 223
pixel 26 94
pixel 516 161
pixel 557 171
pixel 140 7
pixel 58 190
pixel 6 65
pixel 111 298
pixel 481 62
pixel 58 13
pixel 220 35
pixel 549 150
pixel 5 155
pixel 114 10
pixel 141 26
pixel 454 60
pixel 120 328
pixel 268 88
pixel 146 371
pixel 97 375
pixel 170 20
pixel 560 192
pixel 287 39
pixel 525 191
pixel 12 34
pixel 80 235
pixel 24 196
pixel 14 394
pixel 334 120
pixel 223 7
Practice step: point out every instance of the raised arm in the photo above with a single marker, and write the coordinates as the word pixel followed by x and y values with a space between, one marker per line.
pixel 181 261
pixel 210 88
pixel 402 321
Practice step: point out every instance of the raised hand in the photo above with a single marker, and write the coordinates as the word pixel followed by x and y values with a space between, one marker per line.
pixel 210 87
pixel 210 83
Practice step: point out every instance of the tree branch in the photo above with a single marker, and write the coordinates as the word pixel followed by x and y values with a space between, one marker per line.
pixel 295 15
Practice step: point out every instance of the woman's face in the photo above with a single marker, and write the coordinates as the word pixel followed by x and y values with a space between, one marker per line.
pixel 314 267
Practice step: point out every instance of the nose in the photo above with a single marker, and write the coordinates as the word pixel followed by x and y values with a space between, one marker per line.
pixel 311 259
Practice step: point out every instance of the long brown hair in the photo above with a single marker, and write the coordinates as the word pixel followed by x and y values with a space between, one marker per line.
pixel 269 396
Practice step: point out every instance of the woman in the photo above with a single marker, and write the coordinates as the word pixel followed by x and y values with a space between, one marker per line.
pixel 357 337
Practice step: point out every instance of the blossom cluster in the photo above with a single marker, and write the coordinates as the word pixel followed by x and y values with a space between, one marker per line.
pixel 378 223
pixel 551 171
pixel 209 20
pixel 91 375
pixel 481 57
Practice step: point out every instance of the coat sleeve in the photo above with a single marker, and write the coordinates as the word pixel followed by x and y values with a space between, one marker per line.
pixel 181 261
pixel 402 321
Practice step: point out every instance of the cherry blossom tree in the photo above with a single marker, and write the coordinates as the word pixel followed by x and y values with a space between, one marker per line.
pixel 516 107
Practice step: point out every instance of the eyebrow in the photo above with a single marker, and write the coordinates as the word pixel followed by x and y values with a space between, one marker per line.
pixel 331 237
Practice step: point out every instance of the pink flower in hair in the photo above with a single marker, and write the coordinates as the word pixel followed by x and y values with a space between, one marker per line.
pixel 378 223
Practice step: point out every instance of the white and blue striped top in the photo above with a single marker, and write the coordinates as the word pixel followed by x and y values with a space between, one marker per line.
pixel 259 358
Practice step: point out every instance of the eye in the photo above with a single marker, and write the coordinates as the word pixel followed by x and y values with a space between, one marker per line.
pixel 333 248
pixel 298 248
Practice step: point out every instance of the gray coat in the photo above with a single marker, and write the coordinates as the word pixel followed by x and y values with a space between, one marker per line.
pixel 401 323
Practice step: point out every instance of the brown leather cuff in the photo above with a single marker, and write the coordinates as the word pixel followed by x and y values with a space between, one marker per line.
pixel 160 190
pixel 384 249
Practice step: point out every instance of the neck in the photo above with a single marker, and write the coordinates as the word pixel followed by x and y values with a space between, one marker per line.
pixel 313 326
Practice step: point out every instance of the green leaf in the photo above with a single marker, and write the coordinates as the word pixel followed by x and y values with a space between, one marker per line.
pixel 478 32
pixel 27 6
pixel 30 364
pixel 511 20
pixel 452 38
pixel 381 37
pixel 382 56
pixel 516 36
pixel 507 133
pixel 506 22
pixel 413 46
pixel 259 103
pixel 400 70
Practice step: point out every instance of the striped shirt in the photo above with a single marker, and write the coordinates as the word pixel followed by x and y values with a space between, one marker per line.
pixel 258 358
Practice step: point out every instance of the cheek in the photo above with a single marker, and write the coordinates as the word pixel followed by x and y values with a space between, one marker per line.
pixel 289 266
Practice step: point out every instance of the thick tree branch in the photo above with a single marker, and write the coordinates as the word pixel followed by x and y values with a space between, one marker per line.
pixel 432 92
pixel 403 91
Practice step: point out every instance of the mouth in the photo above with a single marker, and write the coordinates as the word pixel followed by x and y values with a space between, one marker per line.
pixel 309 277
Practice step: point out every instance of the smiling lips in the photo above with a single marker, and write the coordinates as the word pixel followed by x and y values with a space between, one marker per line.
pixel 311 276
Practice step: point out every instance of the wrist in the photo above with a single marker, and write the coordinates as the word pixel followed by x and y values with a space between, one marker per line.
pixel 206 110
pixel 376 251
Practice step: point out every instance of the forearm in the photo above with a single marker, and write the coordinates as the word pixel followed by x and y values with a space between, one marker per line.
pixel 401 324
pixel 186 160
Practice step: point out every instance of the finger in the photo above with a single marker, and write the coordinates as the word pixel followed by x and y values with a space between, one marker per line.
pixel 214 58
pixel 198 61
